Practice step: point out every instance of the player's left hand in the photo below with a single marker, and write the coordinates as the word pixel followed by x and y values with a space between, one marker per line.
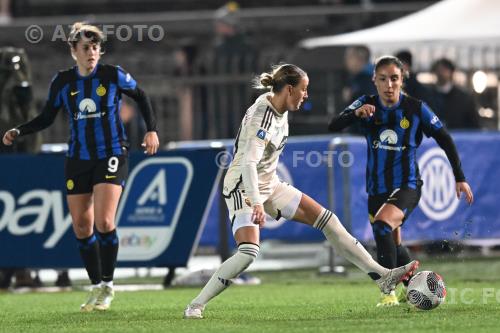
pixel 258 215
pixel 465 188
pixel 151 143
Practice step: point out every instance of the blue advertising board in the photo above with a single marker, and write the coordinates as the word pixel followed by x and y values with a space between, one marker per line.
pixel 305 164
pixel 160 216
pixel 440 215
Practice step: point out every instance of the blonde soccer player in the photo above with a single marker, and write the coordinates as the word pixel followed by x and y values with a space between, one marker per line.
pixel 254 193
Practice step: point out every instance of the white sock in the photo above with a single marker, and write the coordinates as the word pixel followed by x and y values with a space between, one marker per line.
pixel 93 286
pixel 231 268
pixel 346 245
pixel 107 283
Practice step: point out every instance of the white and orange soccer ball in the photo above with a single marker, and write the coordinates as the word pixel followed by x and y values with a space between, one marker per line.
pixel 426 290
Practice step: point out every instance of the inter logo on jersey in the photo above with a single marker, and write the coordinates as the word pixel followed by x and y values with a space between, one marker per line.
pixel 404 123
pixel 261 134
pixel 100 91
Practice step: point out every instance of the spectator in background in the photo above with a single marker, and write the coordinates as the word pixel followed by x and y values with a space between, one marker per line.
pixel 16 98
pixel 360 73
pixel 411 85
pixel 134 126
pixel 231 56
pixel 454 106
pixel 360 70
pixel 5 15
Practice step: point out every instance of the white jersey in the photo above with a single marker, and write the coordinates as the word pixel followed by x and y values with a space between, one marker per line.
pixel 260 141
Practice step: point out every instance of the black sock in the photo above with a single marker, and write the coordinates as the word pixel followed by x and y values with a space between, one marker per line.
pixel 89 251
pixel 403 257
pixel 386 247
pixel 109 251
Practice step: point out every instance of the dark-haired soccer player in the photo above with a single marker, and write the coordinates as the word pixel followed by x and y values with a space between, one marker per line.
pixel 394 124
pixel 96 164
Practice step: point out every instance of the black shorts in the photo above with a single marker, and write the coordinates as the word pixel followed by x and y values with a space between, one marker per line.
pixel 82 175
pixel 405 199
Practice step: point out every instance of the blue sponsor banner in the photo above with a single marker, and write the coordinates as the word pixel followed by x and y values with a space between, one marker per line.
pixel 304 163
pixel 159 218
pixel 440 215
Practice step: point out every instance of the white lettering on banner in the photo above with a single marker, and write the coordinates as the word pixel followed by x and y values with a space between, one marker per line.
pixel 439 200
pixel 61 223
pixel 139 242
pixel 156 190
pixel 50 201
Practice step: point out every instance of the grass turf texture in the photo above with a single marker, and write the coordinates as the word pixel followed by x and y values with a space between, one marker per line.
pixel 289 301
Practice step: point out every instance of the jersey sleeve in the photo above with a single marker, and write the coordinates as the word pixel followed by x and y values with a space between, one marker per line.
pixel 258 136
pixel 347 117
pixel 125 80
pixel 54 98
pixel 49 111
pixel 430 122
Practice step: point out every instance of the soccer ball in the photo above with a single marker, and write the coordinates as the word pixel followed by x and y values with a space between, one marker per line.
pixel 426 290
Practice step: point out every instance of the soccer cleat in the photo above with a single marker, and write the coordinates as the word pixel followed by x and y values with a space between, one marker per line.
pixel 90 304
pixel 388 300
pixel 105 298
pixel 401 294
pixel 390 280
pixel 194 311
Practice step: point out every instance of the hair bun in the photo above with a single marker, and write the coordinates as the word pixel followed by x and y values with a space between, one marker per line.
pixel 266 80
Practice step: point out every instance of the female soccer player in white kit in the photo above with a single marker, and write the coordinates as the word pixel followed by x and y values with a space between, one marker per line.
pixel 254 193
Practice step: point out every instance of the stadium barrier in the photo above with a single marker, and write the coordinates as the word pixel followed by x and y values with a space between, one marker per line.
pixel 332 171
pixel 169 197
pixel 160 215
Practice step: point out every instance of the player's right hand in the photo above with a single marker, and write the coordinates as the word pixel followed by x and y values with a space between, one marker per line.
pixel 10 136
pixel 258 215
pixel 365 111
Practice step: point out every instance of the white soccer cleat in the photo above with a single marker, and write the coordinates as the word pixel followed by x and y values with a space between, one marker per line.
pixel 194 311
pixel 105 298
pixel 388 282
pixel 90 304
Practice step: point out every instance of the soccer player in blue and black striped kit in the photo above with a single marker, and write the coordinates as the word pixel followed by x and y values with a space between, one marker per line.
pixel 393 124
pixel 96 164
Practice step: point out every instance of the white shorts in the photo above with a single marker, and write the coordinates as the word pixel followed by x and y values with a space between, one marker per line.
pixel 280 205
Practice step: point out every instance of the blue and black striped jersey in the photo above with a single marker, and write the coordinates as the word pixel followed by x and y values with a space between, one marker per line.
pixel 393 136
pixel 93 104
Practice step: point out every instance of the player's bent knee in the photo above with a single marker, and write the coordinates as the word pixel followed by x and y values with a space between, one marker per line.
pixel 247 253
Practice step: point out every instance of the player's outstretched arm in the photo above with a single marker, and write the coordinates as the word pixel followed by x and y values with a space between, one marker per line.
pixel 350 115
pixel 446 143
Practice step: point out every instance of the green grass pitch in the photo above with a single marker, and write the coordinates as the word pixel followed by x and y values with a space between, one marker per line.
pixel 287 301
